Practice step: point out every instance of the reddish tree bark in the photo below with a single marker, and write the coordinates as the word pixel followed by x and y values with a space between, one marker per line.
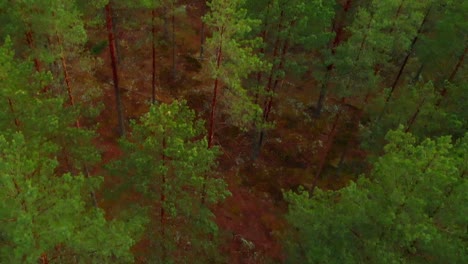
pixel 327 149
pixel 115 76
pixel 408 55
pixel 460 62
pixel 153 56
pixel 44 259
pixel 30 41
pixel 12 109
pixel 262 49
pixel 338 29
pixel 414 116
pixel 173 45
pixel 162 200
pixel 275 52
pixel 457 67
pixel 215 94
pixel 202 31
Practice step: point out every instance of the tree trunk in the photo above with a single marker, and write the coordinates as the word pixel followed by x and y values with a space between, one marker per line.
pixel 443 92
pixel 72 103
pixel 258 145
pixel 275 52
pixel 30 41
pixel 114 70
pixel 174 72
pixel 262 50
pixel 323 92
pixel 215 94
pixel 162 201
pixel 202 32
pixel 415 115
pixel 37 62
pixel 408 55
pixel 153 56
pixel 285 49
pixel 12 109
pixel 338 28
pixel 115 33
pixel 328 146
pixel 165 30
pixel 213 112
pixel 457 67
pixel 418 73
pixel 397 14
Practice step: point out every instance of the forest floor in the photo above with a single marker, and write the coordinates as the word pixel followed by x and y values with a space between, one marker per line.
pixel 250 220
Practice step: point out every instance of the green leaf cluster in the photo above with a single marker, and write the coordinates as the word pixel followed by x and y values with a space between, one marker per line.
pixel 410 209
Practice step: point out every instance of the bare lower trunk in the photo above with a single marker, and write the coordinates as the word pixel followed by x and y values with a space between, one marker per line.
pixel 12 110
pixel 414 116
pixel 174 72
pixel 153 56
pixel 328 146
pixel 444 91
pixel 408 55
pixel 114 70
pixel 162 211
pixel 202 33
pixel 212 114
pixel 337 27
pixel 323 93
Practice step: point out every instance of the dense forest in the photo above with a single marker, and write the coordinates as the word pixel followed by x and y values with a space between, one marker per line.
pixel 233 131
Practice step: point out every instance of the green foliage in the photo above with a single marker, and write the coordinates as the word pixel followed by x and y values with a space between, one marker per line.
pixel 411 209
pixel 165 160
pixel 230 26
pixel 36 115
pixel 47 214
pixel 43 212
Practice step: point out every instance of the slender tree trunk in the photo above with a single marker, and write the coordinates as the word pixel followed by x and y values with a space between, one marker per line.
pixel 44 259
pixel 443 92
pixel 162 201
pixel 274 69
pixel 165 23
pixel 339 167
pixel 408 55
pixel 30 41
pixel 328 146
pixel 457 67
pixel 72 103
pixel 284 51
pixel 361 48
pixel 397 14
pixel 213 112
pixel 323 91
pixel 12 110
pixel 202 31
pixel 115 33
pixel 153 56
pixel 338 28
pixel 114 69
pixel 37 62
pixel 174 72
pixel 275 52
pixel 415 115
pixel 418 74
pixel 262 50
pixel 215 94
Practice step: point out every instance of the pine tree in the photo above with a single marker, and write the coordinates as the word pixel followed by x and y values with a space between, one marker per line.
pixel 46 216
pixel 231 59
pixel 287 25
pixel 410 208
pixel 165 160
